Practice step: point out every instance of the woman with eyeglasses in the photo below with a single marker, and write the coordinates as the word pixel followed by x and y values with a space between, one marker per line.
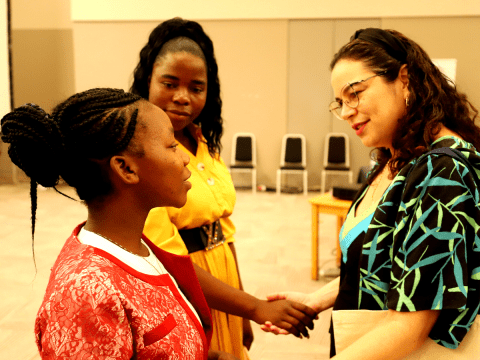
pixel 410 243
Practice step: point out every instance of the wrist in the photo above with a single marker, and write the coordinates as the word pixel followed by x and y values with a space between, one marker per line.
pixel 255 312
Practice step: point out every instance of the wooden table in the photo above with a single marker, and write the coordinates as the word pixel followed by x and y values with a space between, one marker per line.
pixel 326 204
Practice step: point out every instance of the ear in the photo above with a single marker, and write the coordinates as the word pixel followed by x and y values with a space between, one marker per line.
pixel 403 78
pixel 125 169
pixel 403 75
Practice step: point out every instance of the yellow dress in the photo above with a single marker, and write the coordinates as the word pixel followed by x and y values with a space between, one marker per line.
pixel 211 197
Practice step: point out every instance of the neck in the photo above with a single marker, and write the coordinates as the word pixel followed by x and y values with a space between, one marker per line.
pixel 185 138
pixel 444 131
pixel 120 222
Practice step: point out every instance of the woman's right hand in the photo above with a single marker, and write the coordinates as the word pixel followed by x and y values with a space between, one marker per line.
pixel 319 300
pixel 306 299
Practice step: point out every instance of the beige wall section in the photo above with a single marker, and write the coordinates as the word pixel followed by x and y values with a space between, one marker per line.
pixel 252 58
pixel 42 66
pixel 41 14
pixel 127 10
pixel 6 168
pixel 107 53
pixel 309 90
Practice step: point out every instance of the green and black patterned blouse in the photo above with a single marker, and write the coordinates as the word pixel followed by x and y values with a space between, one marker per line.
pixel 419 249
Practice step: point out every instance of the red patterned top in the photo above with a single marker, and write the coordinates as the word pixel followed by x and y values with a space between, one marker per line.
pixel 97 307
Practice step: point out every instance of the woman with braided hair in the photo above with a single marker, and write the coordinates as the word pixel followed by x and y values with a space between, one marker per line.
pixel 178 72
pixel 112 294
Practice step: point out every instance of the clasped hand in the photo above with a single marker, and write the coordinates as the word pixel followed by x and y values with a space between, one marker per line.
pixel 286 316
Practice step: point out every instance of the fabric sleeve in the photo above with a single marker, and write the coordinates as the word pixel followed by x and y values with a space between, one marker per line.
pixel 160 230
pixel 84 320
pixel 435 251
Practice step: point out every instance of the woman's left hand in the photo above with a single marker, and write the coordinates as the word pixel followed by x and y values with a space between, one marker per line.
pixel 247 334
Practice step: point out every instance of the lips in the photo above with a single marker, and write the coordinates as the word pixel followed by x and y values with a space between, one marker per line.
pixel 179 112
pixel 359 127
pixel 188 176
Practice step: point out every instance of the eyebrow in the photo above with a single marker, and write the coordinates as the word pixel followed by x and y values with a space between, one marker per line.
pixel 171 77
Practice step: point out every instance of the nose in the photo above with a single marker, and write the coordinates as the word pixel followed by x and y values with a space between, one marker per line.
pixel 347 112
pixel 181 96
pixel 185 158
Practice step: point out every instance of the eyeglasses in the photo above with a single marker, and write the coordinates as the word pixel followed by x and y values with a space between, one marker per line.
pixel 349 97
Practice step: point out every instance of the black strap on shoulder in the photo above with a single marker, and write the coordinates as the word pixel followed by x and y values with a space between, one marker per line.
pixel 457 155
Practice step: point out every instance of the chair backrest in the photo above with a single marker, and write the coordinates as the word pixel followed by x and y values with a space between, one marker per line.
pixel 337 150
pixel 244 148
pixel 294 150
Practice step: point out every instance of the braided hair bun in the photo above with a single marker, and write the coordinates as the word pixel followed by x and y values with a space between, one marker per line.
pixel 85 129
pixel 35 143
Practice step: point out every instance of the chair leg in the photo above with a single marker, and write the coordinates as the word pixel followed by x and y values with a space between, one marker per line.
pixel 279 175
pixel 323 182
pixel 305 182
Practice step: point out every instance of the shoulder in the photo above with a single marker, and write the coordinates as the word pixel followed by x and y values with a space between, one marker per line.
pixel 440 163
pixel 78 265
pixel 441 176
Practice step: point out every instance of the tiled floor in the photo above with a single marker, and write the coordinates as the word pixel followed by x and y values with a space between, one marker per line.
pixel 273 247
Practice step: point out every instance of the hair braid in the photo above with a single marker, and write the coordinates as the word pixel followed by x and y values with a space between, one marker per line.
pixel 89 126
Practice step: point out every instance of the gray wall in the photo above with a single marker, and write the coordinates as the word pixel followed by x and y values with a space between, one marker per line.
pixel 274 73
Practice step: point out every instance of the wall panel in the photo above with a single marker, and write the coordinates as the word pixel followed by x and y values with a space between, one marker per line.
pixel 6 168
pixel 309 90
pixel 252 59
pixel 122 10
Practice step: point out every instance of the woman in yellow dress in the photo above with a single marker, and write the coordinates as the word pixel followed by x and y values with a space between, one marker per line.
pixel 178 73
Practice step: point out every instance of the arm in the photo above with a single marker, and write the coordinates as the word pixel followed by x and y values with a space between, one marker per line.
pixel 220 355
pixel 288 315
pixel 320 300
pixel 398 335
pixel 247 327
pixel 84 313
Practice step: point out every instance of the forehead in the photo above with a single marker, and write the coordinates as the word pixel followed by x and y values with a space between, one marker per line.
pixel 348 71
pixel 180 63
pixel 155 121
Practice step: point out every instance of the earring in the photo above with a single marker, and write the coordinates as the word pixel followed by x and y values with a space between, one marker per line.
pixel 406 102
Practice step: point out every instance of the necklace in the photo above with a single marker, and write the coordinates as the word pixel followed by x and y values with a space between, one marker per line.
pixel 142 257
pixel 380 179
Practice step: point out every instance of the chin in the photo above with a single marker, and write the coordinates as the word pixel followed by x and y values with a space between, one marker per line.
pixel 180 203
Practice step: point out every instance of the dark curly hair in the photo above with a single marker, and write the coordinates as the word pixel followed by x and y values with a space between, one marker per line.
pixel 210 118
pixel 434 99
pixel 74 142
